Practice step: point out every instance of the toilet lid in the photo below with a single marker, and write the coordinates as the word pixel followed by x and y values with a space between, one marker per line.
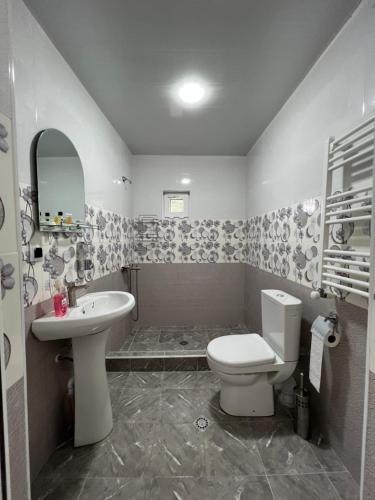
pixel 241 350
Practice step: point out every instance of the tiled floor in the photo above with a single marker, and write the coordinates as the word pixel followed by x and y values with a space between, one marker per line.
pixel 156 452
pixel 175 339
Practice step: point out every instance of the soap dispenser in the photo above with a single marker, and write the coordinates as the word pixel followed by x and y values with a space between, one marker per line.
pixel 60 301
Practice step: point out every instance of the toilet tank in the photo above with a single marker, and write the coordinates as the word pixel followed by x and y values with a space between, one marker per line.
pixel 281 323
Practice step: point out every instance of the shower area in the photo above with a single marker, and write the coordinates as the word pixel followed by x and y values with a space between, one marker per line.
pixel 168 347
pixel 187 268
pixel 184 296
pixel 153 342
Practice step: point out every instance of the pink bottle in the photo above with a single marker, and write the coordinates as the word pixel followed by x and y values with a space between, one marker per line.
pixel 60 301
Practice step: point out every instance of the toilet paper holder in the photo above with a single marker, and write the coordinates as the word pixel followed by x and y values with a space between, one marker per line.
pixel 324 333
pixel 333 318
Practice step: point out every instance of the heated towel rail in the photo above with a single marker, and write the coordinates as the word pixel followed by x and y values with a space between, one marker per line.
pixel 347 204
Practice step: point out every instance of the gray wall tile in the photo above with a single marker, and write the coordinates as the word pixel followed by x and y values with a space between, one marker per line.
pixel 17 440
pixel 337 411
pixel 369 479
pixel 191 294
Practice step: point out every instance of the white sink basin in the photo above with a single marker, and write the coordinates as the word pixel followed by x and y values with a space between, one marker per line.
pixel 88 325
pixel 94 313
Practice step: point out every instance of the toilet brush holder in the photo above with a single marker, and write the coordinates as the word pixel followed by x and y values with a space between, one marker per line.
pixel 302 400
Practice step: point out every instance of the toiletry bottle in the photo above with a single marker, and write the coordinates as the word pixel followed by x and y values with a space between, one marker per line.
pixel 60 301
pixel 57 220
pixel 68 219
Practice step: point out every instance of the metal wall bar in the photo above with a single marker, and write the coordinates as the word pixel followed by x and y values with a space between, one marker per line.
pixel 354 130
pixel 347 252
pixel 344 279
pixel 349 192
pixel 348 219
pixel 356 272
pixel 346 288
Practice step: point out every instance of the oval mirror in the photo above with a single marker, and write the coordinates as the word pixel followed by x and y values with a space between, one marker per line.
pixel 61 189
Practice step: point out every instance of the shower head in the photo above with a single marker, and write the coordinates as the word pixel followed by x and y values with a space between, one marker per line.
pixel 126 179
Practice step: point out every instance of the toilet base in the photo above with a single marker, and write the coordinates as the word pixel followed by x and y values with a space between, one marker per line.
pixel 254 400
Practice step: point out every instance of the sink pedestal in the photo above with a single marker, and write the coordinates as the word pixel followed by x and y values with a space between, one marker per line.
pixel 88 326
pixel 93 410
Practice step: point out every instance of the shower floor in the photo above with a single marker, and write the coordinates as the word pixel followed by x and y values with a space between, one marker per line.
pixel 167 348
pixel 175 339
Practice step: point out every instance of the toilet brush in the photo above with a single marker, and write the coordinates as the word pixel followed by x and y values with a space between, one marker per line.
pixel 302 424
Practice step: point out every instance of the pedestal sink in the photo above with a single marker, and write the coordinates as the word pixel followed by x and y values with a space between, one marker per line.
pixel 88 326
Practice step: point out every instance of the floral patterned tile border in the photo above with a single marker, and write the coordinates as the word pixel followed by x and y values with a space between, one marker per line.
pixel 10 303
pixel 109 248
pixel 190 241
pixel 7 269
pixel 284 242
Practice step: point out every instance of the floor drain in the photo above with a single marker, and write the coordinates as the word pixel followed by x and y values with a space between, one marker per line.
pixel 201 423
pixel 184 342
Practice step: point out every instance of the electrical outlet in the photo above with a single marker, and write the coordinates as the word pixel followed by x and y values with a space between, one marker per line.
pixel 36 253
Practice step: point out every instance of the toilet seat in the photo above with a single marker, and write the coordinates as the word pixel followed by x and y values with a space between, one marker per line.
pixel 241 351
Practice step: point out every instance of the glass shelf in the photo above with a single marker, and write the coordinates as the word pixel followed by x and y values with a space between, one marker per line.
pixel 64 228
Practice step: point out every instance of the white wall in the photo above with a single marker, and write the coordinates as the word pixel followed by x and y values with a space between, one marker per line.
pixel 48 94
pixel 218 184
pixel 5 96
pixel 286 164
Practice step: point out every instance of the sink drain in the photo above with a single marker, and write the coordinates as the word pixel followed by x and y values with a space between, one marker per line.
pixel 201 423
pixel 184 342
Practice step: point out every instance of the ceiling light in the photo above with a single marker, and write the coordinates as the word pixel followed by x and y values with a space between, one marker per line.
pixel 185 180
pixel 191 92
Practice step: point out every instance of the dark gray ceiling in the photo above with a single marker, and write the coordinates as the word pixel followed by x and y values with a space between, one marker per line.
pixel 128 53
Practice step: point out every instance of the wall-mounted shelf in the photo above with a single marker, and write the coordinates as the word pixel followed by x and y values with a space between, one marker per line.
pixel 147 228
pixel 346 206
pixel 64 228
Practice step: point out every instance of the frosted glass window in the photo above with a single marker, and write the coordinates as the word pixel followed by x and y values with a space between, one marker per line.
pixel 176 204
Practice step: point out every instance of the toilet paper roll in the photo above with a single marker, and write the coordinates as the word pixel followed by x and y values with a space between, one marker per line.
pixel 322 334
pixel 324 330
pixel 333 340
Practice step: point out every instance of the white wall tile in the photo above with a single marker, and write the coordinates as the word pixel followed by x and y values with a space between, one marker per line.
pixel 48 94
pixel 286 164
pixel 217 188
pixel 5 101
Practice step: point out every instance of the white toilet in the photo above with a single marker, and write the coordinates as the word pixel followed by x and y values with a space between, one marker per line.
pixel 248 364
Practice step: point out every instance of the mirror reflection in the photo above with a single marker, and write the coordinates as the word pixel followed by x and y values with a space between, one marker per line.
pixel 61 190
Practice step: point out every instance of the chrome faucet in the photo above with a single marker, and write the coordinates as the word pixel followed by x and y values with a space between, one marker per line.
pixel 72 293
